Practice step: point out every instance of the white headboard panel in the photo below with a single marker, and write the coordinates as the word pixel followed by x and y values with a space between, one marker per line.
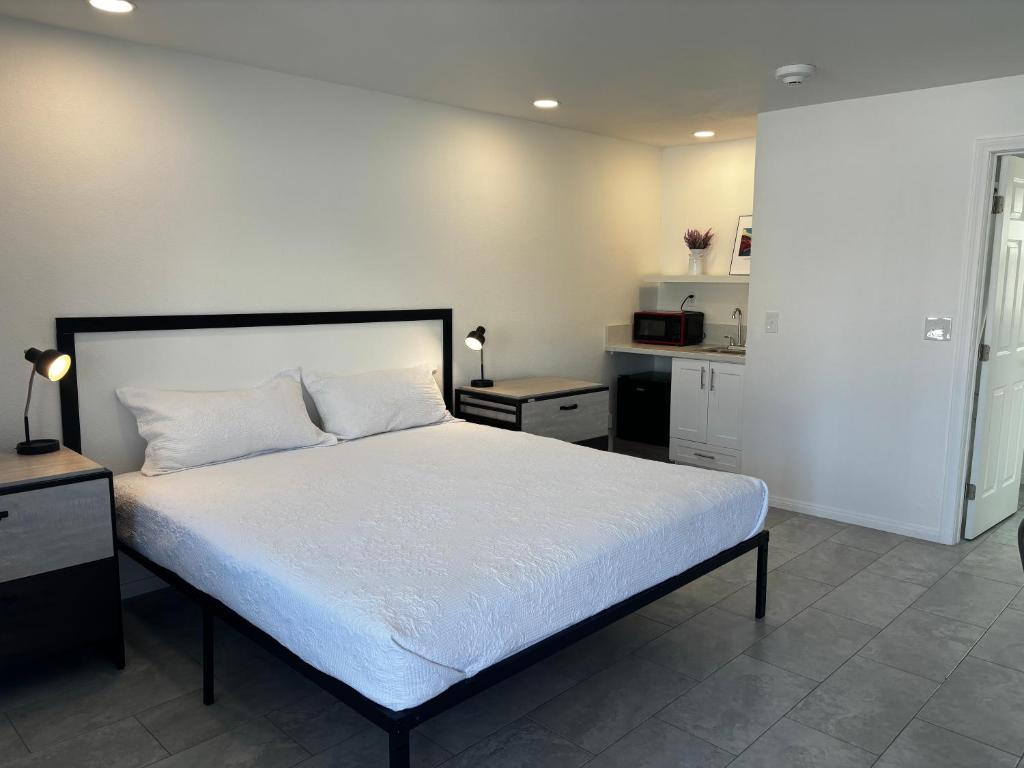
pixel 224 352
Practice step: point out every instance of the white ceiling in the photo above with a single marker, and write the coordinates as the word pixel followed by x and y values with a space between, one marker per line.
pixel 649 70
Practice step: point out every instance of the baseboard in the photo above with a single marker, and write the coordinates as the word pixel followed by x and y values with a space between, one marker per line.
pixel 857 518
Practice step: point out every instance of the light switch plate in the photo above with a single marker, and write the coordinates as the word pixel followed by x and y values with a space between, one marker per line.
pixel 938 328
pixel 771 322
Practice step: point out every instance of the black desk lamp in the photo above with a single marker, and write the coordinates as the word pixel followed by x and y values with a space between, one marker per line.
pixel 53 365
pixel 475 340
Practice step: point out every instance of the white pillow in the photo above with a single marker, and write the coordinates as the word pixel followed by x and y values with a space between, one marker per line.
pixel 191 429
pixel 362 404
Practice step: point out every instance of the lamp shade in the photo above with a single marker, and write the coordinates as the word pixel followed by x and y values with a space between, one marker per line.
pixel 475 339
pixel 50 363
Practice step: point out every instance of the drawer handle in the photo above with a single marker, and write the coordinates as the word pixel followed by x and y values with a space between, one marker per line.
pixel 572 407
pixel 4 513
pixel 704 455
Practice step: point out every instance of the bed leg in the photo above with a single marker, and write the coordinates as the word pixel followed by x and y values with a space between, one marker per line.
pixel 207 656
pixel 398 749
pixel 762 579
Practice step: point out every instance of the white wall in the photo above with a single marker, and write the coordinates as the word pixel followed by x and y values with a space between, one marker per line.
pixel 861 218
pixel 137 180
pixel 705 185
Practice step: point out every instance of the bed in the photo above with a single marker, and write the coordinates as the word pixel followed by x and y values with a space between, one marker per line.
pixel 406 571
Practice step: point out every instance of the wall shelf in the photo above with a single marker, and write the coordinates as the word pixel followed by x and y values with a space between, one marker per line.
pixel 737 279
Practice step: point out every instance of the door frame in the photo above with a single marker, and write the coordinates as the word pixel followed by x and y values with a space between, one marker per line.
pixel 965 361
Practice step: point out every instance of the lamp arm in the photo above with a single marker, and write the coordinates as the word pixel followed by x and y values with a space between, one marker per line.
pixel 482 363
pixel 28 399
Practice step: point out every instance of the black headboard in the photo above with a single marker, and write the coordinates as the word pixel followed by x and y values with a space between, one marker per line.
pixel 67 327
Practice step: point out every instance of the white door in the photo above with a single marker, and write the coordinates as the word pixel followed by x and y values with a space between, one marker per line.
pixel 999 426
pixel 688 412
pixel 725 401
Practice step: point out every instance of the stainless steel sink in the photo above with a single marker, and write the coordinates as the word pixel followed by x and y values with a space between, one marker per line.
pixel 726 350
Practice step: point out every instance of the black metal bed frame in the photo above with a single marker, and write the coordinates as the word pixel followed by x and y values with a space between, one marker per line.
pixel 397 723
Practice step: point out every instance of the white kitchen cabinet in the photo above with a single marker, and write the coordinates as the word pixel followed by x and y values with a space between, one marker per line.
pixel 688 407
pixel 706 413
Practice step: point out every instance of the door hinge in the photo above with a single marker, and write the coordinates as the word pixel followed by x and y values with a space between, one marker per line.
pixel 972 491
pixel 997 203
pixel 983 352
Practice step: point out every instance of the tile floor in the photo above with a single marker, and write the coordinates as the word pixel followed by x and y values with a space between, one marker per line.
pixel 876 650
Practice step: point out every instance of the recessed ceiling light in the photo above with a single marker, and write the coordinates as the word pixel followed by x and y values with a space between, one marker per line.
pixel 545 103
pixel 703 134
pixel 113 6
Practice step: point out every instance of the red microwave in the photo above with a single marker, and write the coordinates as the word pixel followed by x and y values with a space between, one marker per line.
pixel 678 329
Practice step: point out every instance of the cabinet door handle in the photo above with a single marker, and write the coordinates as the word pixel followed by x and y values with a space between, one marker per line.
pixel 704 455
pixel 711 388
pixel 702 377
pixel 572 407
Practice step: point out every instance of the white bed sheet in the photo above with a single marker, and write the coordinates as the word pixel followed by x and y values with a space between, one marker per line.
pixel 405 562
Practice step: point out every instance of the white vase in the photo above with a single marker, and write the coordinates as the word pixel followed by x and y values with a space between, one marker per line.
pixel 697 261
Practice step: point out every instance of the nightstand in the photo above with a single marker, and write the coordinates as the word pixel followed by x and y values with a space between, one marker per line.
pixel 58 563
pixel 566 409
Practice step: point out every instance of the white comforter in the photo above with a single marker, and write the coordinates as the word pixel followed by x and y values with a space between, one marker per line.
pixel 404 562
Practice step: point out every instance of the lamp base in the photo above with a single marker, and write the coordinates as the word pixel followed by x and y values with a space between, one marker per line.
pixel 481 383
pixel 34 447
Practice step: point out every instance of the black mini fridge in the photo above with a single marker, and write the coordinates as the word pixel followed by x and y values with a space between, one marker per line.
pixel 642 404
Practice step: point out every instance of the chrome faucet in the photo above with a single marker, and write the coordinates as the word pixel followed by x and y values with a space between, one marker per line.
pixel 738 316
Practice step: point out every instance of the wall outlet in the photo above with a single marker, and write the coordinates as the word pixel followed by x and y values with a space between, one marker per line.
pixel 771 322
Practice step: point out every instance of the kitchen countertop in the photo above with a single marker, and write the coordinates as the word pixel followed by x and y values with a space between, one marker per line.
pixel 618 338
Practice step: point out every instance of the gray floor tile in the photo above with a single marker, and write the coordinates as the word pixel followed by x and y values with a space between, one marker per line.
pixel 54 677
pixel 922 643
pixel 184 722
pixel 254 745
pixel 918 562
pixel 1018 602
pixel 814 644
pixel 1006 531
pixel 11 745
pixel 965 597
pixel 800 533
pixel 738 703
pixel 143 684
pixel 523 744
pixel 923 745
pixel 994 561
pixel 869 539
pixel 318 721
pixel 605 647
pixel 677 607
pixel 656 744
pixel 495 708
pixel 369 749
pixel 1003 643
pixel 982 701
pixel 870 598
pixel 776 516
pixel 829 563
pixel 125 744
pixel 788 744
pixel 865 704
pixel 601 710
pixel 705 642
pixel 743 570
pixel 787 596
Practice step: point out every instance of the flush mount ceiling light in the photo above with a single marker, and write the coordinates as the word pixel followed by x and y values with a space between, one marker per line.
pixel 793 75
pixel 703 134
pixel 545 103
pixel 113 6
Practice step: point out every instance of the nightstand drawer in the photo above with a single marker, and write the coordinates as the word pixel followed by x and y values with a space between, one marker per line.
pixel 572 417
pixel 55 527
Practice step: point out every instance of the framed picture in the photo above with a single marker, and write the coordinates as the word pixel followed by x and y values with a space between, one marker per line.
pixel 740 264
